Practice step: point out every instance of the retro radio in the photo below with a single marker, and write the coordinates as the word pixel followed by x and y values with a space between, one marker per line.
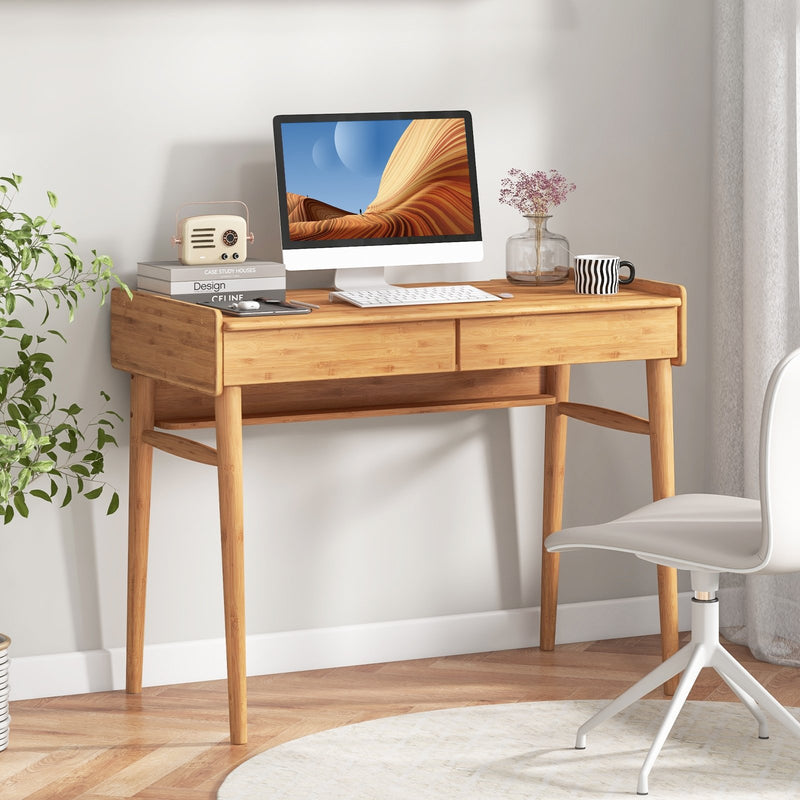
pixel 212 238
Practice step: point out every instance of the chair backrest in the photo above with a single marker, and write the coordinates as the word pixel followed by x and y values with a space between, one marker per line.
pixel 780 468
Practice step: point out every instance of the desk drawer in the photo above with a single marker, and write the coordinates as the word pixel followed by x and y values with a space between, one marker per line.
pixel 351 351
pixel 569 338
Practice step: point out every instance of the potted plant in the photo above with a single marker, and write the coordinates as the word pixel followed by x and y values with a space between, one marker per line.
pixel 48 449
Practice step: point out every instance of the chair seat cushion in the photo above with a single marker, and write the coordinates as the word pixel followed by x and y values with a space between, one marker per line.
pixel 715 533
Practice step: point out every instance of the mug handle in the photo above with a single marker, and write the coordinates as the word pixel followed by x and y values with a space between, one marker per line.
pixel 631 270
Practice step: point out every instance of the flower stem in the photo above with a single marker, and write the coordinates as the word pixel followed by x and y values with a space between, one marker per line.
pixel 539 222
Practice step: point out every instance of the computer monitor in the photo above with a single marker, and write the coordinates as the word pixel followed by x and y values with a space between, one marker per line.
pixel 361 192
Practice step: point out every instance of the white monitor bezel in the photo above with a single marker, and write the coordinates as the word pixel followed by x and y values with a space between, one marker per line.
pixel 346 254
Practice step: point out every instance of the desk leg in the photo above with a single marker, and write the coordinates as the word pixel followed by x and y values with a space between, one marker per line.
pixel 228 407
pixel 139 489
pixel 662 461
pixel 555 447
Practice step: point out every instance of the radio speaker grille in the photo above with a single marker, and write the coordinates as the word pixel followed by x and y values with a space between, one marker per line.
pixel 202 238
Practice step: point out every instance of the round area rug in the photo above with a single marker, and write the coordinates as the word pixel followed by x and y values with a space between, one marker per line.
pixel 526 750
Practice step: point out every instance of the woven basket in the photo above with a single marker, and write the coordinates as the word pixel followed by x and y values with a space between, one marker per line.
pixel 4 715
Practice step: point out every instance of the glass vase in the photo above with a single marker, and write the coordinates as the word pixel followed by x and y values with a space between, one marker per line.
pixel 537 256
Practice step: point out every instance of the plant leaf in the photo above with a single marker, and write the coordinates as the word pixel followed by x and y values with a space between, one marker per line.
pixel 114 504
pixel 20 505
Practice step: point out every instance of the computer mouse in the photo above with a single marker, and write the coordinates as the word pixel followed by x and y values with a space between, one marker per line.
pixel 247 305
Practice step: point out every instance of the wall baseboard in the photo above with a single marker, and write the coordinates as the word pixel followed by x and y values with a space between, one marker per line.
pixel 294 651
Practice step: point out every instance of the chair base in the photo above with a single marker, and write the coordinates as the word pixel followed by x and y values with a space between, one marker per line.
pixel 704 650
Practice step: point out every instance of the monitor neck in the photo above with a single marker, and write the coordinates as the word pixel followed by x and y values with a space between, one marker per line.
pixel 360 278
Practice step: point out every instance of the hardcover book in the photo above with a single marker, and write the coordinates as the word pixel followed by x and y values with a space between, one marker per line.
pixel 217 298
pixel 212 285
pixel 176 271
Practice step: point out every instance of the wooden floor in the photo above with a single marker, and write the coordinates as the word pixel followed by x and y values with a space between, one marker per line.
pixel 171 743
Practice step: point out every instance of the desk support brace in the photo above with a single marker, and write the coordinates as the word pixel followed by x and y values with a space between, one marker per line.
pixel 181 446
pixel 605 417
pixel 228 408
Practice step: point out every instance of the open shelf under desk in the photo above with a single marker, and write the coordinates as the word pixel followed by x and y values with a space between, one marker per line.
pixel 181 408
pixel 366 411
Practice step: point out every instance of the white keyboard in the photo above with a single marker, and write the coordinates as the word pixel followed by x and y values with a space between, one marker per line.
pixel 413 296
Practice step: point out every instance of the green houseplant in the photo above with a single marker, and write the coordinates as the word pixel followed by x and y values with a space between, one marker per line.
pixel 48 449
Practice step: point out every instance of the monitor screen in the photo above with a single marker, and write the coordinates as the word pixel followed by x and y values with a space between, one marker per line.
pixel 377 189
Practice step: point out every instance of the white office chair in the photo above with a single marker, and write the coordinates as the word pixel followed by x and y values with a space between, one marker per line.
pixel 710 534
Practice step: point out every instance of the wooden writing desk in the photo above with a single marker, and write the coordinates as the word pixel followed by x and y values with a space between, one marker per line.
pixel 192 367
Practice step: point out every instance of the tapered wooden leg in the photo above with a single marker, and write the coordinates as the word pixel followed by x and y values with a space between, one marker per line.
pixel 228 408
pixel 555 447
pixel 662 462
pixel 139 489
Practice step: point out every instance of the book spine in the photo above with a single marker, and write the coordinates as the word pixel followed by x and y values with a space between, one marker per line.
pixel 175 271
pixel 215 285
pixel 226 297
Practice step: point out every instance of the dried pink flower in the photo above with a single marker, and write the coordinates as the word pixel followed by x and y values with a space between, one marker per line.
pixel 534 193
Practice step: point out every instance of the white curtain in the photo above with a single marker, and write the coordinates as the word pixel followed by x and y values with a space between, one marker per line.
pixel 755 295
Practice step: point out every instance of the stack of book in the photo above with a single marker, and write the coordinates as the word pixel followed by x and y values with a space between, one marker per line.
pixel 213 283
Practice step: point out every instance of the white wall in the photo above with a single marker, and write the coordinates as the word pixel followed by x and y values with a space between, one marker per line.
pixel 128 109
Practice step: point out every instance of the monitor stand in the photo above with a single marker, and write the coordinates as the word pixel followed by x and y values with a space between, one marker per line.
pixel 361 278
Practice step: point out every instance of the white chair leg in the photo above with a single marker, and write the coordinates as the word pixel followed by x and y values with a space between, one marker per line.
pixel 661 674
pixel 727 666
pixel 699 658
pixel 750 704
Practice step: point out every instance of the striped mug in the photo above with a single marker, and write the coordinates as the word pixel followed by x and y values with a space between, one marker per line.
pixel 600 274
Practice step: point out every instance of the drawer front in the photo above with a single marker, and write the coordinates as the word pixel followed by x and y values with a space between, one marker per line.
pixel 582 338
pixel 349 351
